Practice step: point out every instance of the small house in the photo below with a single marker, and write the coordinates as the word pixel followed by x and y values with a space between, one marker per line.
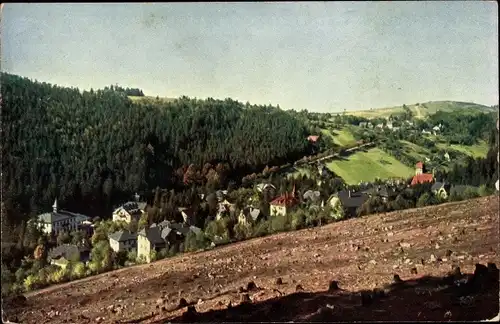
pixel 148 240
pixel 66 253
pixel 441 189
pixel 313 138
pixel 283 204
pixel 347 202
pixel 383 192
pixel 249 215
pixel 128 212
pixel 261 187
pixel 311 196
pixel 122 241
pixel 224 209
pixel 188 215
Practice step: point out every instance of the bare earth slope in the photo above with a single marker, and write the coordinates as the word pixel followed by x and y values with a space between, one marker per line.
pixel 360 254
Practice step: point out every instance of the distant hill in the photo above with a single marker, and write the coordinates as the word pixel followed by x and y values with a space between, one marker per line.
pixel 422 110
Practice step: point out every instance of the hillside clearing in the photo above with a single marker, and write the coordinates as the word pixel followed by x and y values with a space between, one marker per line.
pixel 369 165
pixel 476 151
pixel 311 258
pixel 342 137
pixel 424 109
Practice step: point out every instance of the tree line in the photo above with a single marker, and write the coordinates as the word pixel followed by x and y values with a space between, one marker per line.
pixel 94 149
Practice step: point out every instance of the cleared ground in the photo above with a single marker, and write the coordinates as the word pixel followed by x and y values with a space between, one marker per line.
pixel 342 137
pixel 369 165
pixel 359 253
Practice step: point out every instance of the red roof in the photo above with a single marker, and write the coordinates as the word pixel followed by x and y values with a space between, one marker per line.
pixel 422 178
pixel 284 200
pixel 313 138
pixel 420 165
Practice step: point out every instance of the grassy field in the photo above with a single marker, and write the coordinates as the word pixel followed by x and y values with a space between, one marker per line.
pixel 424 109
pixel 476 151
pixel 415 150
pixel 342 137
pixel 367 166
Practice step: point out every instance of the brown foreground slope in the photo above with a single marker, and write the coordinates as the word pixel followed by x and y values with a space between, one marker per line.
pixel 359 254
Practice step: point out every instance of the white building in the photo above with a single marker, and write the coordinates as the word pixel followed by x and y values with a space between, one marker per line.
pixel 59 220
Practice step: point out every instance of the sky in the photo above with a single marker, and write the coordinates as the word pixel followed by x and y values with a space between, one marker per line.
pixel 319 56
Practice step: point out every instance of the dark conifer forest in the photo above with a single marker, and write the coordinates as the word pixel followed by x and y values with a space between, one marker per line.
pixel 94 149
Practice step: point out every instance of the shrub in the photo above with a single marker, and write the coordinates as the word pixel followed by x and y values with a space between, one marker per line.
pixel 78 270
pixel 132 256
pixel 153 255
pixel 31 282
pixel 261 229
pixel 278 224
pixel 298 220
pixel 242 231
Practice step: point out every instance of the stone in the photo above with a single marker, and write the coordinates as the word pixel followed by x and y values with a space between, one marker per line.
pixel 405 245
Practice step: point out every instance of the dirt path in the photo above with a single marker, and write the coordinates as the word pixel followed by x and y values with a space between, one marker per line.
pixel 360 254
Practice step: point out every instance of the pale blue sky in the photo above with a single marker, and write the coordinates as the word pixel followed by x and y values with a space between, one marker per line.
pixel 322 56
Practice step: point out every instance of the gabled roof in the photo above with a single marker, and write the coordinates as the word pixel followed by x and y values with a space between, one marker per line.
pixel 382 191
pixel 251 213
pixel 264 186
pixel 285 200
pixel 312 195
pixel 188 215
pixel 131 207
pixel 313 138
pixel 59 216
pixel 66 251
pixel 422 178
pixel 153 235
pixel 122 236
pixel 355 200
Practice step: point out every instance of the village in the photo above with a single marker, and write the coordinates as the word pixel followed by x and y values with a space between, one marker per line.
pixel 154 241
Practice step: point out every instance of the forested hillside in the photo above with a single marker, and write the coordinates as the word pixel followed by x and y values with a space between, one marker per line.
pixel 92 149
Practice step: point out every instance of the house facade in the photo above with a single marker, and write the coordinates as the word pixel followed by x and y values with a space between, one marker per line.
pixel 149 239
pixel 441 189
pixel 249 215
pixel 128 212
pixel 283 204
pixel 123 241
pixel 345 203
pixel 66 253
pixel 58 220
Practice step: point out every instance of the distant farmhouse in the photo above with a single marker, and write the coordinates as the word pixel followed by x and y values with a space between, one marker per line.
pixel 59 220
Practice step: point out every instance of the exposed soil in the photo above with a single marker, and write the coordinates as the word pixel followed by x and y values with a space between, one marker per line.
pixel 359 254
